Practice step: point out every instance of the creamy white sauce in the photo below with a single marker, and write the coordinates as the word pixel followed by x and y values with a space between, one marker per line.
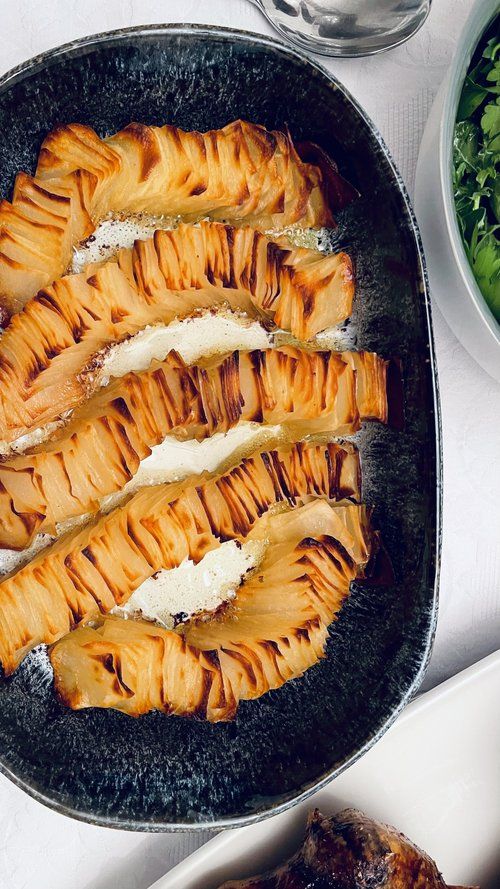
pixel 191 589
pixel 116 232
pixel 174 460
pixel 204 335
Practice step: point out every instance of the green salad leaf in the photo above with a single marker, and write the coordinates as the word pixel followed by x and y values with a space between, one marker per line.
pixel 476 161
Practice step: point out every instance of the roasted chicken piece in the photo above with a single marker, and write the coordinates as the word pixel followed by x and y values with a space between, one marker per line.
pixel 350 851
pixel 272 632
pixel 89 571
pixel 47 346
pixel 242 172
pixel 102 446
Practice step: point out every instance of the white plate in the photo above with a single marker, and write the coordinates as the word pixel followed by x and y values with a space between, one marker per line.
pixel 435 775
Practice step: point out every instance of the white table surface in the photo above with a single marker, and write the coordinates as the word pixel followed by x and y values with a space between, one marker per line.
pixel 42 850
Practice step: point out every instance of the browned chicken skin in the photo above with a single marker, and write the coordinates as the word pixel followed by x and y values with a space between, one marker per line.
pixel 350 851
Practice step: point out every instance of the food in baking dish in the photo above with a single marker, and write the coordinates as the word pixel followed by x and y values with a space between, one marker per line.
pixel 77 428
pixel 273 630
pixel 242 172
pixel 101 447
pixel 89 571
pixel 48 345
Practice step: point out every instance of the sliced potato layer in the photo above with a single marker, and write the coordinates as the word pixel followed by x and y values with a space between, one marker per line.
pixel 173 275
pixel 242 172
pixel 102 446
pixel 37 232
pixel 89 571
pixel 273 631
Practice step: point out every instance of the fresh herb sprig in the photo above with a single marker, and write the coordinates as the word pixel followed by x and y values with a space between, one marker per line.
pixel 476 162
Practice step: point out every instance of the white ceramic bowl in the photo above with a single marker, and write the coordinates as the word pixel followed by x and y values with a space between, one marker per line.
pixel 452 282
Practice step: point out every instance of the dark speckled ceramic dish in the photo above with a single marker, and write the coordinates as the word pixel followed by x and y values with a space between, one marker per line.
pixel 159 773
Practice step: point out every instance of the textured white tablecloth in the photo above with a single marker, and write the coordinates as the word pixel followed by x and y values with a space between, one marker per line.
pixel 42 850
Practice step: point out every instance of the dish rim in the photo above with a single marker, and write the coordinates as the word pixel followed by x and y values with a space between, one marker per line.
pixel 480 18
pixel 242 36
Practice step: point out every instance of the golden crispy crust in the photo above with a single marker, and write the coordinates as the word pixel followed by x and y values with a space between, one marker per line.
pixel 89 571
pixel 242 172
pixel 272 632
pixel 46 346
pixel 309 392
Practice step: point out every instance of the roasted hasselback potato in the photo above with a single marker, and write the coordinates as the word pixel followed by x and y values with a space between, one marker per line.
pixel 241 173
pixel 101 447
pixel 272 632
pixel 89 571
pixel 173 275
pixel 37 233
